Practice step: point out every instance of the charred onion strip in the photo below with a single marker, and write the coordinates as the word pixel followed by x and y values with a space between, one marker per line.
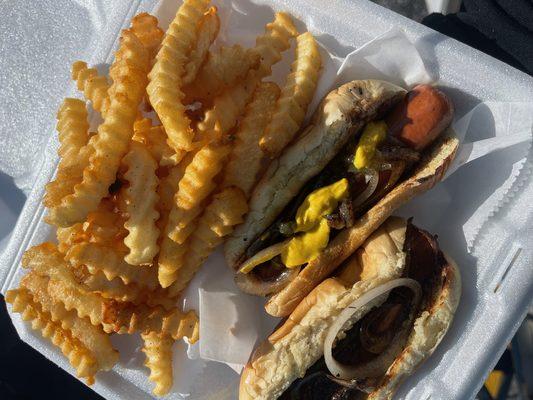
pixel 348 372
pixel 263 256
pixel 372 180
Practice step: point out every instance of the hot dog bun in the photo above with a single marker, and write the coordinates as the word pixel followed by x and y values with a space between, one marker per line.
pixel 431 170
pixel 298 343
pixel 342 112
pixel 304 329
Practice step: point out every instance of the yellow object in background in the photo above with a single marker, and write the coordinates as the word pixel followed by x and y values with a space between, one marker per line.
pixel 373 134
pixel 494 382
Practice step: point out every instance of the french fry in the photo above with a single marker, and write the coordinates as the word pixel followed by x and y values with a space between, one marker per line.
pixel 103 226
pixel 111 143
pixel 73 129
pixel 93 338
pixel 208 28
pixel 155 140
pixel 220 216
pixel 140 198
pixel 245 161
pixel 295 97
pixel 229 106
pixel 93 86
pixel 117 290
pixel 196 184
pixel 164 89
pixel 226 110
pixel 170 260
pixel 274 41
pixel 221 70
pixel 145 27
pixel 66 237
pixel 80 358
pixel 158 350
pixel 111 263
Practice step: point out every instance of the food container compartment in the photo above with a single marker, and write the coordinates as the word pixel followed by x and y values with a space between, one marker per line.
pixel 495 263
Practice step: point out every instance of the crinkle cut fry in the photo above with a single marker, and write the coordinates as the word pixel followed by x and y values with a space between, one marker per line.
pixel 158 350
pixel 111 263
pixel 155 140
pixel 117 290
pixel 295 97
pixel 73 129
pixel 104 226
pixel 114 316
pixel 229 106
pixel 164 89
pixel 140 198
pixel 208 28
pixel 195 185
pixel 93 86
pixel 93 337
pixel 111 143
pixel 193 189
pixel 224 212
pixel 222 69
pixel 145 27
pixel 217 124
pixel 274 41
pixel 246 159
pixel 80 358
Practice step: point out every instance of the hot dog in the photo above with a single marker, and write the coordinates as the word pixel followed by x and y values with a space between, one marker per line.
pixel 399 291
pixel 370 147
pixel 420 117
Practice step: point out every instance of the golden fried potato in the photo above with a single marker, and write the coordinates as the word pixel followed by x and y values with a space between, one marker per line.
pixel 145 27
pixel 158 350
pixel 224 212
pixel 164 89
pixel 140 199
pixel 155 140
pixel 194 187
pixel 246 157
pixel 111 263
pixel 208 28
pixel 295 97
pixel 80 358
pixel 111 143
pixel 274 41
pixel 222 69
pixel 94 86
pixel 92 337
pixel 73 129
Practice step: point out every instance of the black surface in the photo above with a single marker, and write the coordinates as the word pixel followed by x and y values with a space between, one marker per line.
pixel 501 28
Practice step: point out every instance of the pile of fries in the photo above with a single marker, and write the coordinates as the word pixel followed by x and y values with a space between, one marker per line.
pixel 141 203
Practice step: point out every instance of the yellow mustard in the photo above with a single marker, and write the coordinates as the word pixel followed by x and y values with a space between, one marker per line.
pixel 306 247
pixel 319 203
pixel 310 219
pixel 373 134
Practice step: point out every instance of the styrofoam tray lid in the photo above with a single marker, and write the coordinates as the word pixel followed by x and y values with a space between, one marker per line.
pixel 496 272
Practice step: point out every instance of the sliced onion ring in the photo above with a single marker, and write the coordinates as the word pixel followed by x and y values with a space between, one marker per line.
pixel 347 372
pixel 372 180
pixel 263 256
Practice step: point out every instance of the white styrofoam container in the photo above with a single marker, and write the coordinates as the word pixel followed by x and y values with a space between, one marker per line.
pixel 497 274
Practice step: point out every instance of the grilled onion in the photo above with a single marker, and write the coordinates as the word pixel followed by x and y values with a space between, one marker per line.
pixel 348 372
